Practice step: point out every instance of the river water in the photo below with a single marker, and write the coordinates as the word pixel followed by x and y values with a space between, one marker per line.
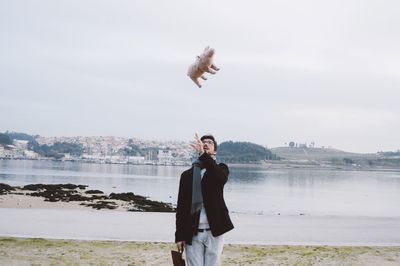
pixel 255 190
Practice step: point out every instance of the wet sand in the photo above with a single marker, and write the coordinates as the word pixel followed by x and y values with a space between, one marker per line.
pixel 38 232
pixel 93 224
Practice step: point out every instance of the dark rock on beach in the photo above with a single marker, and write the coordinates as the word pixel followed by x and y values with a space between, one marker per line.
pixel 152 206
pixel 90 198
pixel 125 196
pixel 94 191
pixel 142 204
pixel 36 187
pixel 4 188
pixel 57 192
pixel 101 204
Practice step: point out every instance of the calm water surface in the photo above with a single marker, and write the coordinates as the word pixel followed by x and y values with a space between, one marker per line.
pixel 250 190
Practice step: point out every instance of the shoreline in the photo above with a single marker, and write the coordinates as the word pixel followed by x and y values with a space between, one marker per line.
pixel 159 227
pixel 270 164
pixel 66 252
pixel 31 216
pixel 285 165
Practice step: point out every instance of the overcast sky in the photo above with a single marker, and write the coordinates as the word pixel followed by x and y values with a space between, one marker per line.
pixel 303 71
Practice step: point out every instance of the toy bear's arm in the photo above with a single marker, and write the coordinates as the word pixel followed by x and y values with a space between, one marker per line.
pixel 210 70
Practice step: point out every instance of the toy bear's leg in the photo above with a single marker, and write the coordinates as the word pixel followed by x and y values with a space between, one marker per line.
pixel 203 77
pixel 214 67
pixel 210 70
pixel 196 81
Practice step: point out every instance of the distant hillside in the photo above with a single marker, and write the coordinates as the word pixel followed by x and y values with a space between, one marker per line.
pixel 390 154
pixel 57 150
pixel 4 139
pixel 243 152
pixel 317 154
pixel 20 136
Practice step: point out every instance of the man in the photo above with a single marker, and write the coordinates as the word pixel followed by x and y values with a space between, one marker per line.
pixel 201 215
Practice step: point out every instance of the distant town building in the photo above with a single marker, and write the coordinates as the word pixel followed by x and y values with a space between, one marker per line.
pixel 165 157
pixel 104 149
pixel 8 152
pixel 302 145
pixel 136 159
pixel 30 155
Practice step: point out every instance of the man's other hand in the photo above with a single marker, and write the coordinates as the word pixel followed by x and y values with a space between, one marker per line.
pixel 181 246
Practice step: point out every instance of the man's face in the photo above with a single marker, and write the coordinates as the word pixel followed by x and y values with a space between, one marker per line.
pixel 208 146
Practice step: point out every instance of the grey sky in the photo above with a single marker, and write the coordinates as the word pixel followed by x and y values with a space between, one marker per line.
pixel 322 71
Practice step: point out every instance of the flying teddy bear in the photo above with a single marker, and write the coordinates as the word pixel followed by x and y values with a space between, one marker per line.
pixel 204 63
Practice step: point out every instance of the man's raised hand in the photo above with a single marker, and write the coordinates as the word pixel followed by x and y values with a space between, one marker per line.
pixel 198 145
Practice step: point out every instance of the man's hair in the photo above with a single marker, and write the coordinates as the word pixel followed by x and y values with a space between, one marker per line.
pixel 212 138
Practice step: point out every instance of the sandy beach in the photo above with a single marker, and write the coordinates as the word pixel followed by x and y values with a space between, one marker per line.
pixel 23 201
pixel 74 197
pixel 22 251
pixel 38 232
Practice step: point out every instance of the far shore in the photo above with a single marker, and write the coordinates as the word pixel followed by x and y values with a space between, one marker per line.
pixel 38 251
pixel 270 164
pixel 293 164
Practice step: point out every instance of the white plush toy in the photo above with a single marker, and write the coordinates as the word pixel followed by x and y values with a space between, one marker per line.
pixel 204 63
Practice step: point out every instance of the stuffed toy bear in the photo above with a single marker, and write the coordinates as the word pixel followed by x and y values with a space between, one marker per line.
pixel 204 63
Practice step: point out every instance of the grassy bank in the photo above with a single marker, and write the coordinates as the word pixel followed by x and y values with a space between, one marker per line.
pixel 20 251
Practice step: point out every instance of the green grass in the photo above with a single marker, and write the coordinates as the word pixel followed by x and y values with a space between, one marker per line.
pixel 20 251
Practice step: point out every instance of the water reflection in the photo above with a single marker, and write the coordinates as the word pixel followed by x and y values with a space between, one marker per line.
pixel 251 189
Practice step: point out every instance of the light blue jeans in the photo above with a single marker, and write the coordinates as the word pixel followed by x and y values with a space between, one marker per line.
pixel 205 250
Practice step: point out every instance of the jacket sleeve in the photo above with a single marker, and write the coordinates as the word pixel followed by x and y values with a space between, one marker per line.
pixel 180 213
pixel 220 171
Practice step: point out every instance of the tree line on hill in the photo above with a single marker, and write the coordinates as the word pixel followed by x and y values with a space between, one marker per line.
pixel 244 152
pixel 5 139
pixel 57 150
pixel 20 136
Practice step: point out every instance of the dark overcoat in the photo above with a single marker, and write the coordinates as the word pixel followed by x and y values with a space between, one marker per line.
pixel 212 185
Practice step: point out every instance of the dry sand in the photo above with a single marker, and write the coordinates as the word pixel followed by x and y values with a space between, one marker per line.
pixel 20 251
pixel 23 201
